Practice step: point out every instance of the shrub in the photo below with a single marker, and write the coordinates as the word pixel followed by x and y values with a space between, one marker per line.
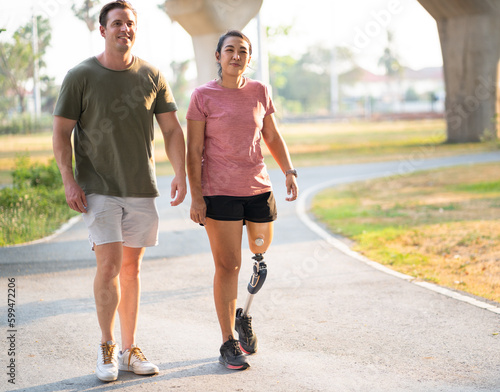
pixel 24 124
pixel 35 205
pixel 35 175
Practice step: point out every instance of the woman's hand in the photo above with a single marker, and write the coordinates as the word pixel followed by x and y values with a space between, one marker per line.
pixel 292 189
pixel 198 212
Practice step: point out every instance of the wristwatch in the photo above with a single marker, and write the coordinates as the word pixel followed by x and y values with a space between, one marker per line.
pixel 291 171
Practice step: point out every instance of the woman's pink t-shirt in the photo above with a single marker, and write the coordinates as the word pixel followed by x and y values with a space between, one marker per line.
pixel 232 162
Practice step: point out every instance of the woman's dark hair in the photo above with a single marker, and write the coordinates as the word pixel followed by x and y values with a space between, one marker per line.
pixel 122 4
pixel 222 38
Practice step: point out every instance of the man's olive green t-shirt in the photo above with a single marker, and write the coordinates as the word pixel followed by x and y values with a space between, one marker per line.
pixel 114 133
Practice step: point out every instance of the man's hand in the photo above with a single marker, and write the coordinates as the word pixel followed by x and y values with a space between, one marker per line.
pixel 75 197
pixel 178 190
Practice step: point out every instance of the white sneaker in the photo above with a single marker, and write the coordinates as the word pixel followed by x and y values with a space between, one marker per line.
pixel 133 360
pixel 107 362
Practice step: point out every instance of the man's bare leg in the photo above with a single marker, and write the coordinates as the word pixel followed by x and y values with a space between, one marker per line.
pixel 130 284
pixel 107 286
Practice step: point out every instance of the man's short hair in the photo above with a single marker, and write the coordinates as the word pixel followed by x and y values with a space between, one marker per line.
pixel 122 4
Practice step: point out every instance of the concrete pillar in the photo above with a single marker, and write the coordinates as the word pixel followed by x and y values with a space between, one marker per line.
pixel 469 33
pixel 262 73
pixel 206 21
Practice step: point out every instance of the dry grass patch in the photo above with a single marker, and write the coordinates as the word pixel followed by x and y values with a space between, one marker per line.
pixel 441 226
pixel 460 255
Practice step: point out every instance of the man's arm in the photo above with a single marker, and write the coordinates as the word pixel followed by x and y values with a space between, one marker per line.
pixel 175 147
pixel 61 144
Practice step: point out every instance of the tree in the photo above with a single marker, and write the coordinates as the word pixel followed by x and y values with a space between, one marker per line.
pixel 17 59
pixel 411 95
pixel 180 84
pixel 389 60
pixel 303 85
pixel 393 69
pixel 49 93
pixel 87 12
pixel 279 31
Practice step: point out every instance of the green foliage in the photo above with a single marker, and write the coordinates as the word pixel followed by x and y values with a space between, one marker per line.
pixel 39 200
pixel 180 85
pixel 303 85
pixel 411 95
pixel 17 59
pixel 279 31
pixel 88 12
pixel 389 60
pixel 23 124
pixel 27 175
pixel 35 205
pixel 16 72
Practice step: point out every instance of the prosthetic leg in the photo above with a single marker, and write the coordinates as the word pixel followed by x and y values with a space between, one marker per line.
pixel 256 280
pixel 243 321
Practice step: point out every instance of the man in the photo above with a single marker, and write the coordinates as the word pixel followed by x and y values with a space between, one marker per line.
pixel 109 100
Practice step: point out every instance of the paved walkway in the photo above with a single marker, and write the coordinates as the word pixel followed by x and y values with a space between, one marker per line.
pixel 326 320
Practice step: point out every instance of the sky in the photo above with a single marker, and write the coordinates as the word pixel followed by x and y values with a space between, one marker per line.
pixel 360 25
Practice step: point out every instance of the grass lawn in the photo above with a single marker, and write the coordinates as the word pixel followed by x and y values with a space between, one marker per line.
pixel 309 144
pixel 357 142
pixel 441 226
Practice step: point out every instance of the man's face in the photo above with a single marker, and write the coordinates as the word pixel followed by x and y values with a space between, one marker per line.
pixel 120 29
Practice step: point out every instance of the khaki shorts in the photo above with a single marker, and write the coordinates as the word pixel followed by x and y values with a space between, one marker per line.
pixel 130 220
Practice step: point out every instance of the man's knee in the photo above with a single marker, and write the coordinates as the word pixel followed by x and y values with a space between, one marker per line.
pixel 130 272
pixel 108 271
pixel 109 260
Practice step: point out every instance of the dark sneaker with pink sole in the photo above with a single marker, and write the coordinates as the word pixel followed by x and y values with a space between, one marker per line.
pixel 243 325
pixel 231 356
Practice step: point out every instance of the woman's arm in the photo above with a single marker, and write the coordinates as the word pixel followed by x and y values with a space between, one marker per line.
pixel 195 143
pixel 276 145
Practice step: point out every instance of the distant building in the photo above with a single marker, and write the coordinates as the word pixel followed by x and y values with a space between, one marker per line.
pixel 362 91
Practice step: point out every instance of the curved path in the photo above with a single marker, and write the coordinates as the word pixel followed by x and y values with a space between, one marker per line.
pixel 327 320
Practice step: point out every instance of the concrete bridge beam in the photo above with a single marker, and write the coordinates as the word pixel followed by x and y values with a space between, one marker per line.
pixel 206 21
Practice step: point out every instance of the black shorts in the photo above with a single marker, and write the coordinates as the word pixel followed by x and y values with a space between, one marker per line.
pixel 259 208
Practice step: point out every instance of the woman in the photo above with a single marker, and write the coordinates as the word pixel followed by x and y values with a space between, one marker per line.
pixel 229 183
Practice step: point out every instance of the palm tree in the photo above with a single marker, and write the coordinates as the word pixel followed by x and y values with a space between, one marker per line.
pixel 393 69
pixel 88 14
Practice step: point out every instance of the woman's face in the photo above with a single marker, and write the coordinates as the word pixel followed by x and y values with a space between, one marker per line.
pixel 234 56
